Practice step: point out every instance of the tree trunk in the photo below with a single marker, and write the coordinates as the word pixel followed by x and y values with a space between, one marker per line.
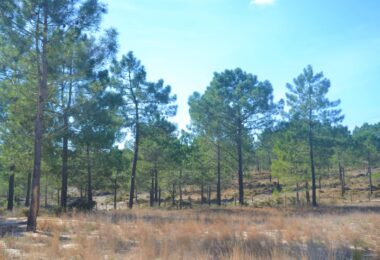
pixel 202 192
pixel 297 195
pixel 320 183
pixel 65 143
pixel 258 166
pixel 218 188
pixel 115 192
pixel 151 198
pixel 311 147
pixel 159 197
pixel 134 163
pixel 11 190
pixel 370 173
pixel 27 195
pixel 341 178
pixel 64 165
pixel 180 190
pixel 343 181
pixel 42 67
pixel 155 183
pixel 89 175
pixel 307 193
pixel 269 167
pixel 173 194
pixel 240 163
pixel 152 189
pixel 58 197
pixel 46 189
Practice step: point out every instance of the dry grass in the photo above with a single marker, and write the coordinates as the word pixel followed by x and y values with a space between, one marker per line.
pixel 227 233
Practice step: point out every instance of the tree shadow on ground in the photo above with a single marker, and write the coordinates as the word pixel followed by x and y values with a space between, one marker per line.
pixel 12 227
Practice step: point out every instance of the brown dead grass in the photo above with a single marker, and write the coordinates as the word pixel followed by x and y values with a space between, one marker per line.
pixel 226 233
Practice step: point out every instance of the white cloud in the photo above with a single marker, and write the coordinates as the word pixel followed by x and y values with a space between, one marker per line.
pixel 262 2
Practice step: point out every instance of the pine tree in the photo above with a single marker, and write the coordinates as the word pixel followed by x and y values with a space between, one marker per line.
pixel 309 106
pixel 142 101
pixel 243 105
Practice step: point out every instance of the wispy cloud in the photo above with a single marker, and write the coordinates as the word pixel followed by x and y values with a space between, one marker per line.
pixel 262 2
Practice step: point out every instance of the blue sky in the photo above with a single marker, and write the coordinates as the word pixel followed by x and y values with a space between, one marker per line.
pixel 185 41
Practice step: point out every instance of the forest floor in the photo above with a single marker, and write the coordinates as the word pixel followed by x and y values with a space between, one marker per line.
pixel 339 232
pixel 260 191
pixel 270 227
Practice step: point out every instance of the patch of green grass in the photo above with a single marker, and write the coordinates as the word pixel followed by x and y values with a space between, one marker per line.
pixel 376 175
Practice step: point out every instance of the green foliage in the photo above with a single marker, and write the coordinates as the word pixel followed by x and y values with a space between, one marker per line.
pixel 94 103
pixel 367 143
pixel 290 163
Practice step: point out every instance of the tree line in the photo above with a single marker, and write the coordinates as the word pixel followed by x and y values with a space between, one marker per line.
pixel 67 102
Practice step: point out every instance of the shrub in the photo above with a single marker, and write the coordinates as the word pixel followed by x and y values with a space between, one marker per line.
pixel 81 204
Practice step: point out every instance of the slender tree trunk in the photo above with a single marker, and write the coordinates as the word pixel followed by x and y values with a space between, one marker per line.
pixel 115 192
pixel 173 194
pixel 27 195
pixel 11 190
pixel 298 195
pixel 151 198
pixel 307 193
pixel 64 165
pixel 136 146
pixel 370 173
pixel 58 197
pixel 240 163
pixel 343 181
pixel 269 163
pixel 152 190
pixel 320 183
pixel 65 141
pixel 218 188
pixel 159 197
pixel 46 189
pixel 155 183
pixel 89 175
pixel 134 163
pixel 258 166
pixel 311 147
pixel 64 174
pixel 180 190
pixel 42 67
pixel 202 192
pixel 341 178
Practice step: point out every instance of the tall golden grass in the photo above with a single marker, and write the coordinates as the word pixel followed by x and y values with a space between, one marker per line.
pixel 226 233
